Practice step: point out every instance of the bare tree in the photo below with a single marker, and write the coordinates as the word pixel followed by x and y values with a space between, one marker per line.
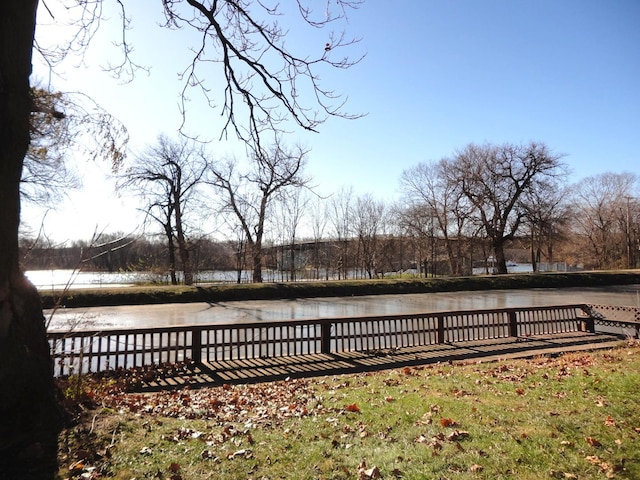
pixel 495 180
pixel 341 218
pixel 248 196
pixel 245 41
pixel 291 209
pixel 257 96
pixel 319 221
pixel 437 206
pixel 601 207
pixel 28 403
pixel 368 223
pixel 547 219
pixel 166 176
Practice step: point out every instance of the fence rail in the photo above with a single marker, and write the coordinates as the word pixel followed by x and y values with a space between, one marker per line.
pixel 626 318
pixel 98 350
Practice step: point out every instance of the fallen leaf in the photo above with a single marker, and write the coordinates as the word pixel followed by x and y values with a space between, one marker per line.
pixel 593 442
pixel 457 434
pixel 610 422
pixel 352 408
pixel 365 473
pixel 77 466
pixel 447 422
pixel 207 454
pixel 146 451
pixel 246 453
pixel 475 468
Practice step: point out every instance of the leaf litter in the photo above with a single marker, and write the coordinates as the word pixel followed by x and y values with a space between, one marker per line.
pixel 234 411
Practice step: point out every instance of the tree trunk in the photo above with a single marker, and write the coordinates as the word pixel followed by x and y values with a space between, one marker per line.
pixel 185 258
pixel 534 264
pixel 240 261
pixel 292 259
pixel 183 247
pixel 30 418
pixel 168 231
pixel 501 261
pixel 256 256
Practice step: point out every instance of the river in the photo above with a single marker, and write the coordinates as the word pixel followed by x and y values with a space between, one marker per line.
pixel 60 279
pixel 304 308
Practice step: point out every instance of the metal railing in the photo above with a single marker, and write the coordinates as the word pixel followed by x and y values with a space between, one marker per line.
pixel 625 318
pixel 97 350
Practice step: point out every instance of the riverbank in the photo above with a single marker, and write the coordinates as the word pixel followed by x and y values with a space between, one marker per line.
pixel 144 295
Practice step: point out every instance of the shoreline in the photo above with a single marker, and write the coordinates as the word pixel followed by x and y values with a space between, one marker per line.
pixel 147 295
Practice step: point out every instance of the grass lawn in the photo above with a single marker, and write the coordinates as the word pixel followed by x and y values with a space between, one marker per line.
pixel 576 416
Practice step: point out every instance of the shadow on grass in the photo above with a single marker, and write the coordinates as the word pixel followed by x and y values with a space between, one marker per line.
pixel 257 370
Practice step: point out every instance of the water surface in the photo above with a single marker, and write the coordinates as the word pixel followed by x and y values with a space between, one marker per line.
pixel 275 310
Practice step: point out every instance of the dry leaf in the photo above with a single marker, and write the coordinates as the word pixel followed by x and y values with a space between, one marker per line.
pixel 146 451
pixel 246 453
pixel 456 435
pixel 370 474
pixel 352 408
pixel 77 466
pixel 593 442
pixel 447 422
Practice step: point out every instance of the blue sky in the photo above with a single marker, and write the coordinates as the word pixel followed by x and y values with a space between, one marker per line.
pixel 438 74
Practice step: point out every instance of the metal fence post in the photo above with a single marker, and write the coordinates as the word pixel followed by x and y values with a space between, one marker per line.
pixel 196 344
pixel 513 324
pixel 440 325
pixel 589 324
pixel 325 337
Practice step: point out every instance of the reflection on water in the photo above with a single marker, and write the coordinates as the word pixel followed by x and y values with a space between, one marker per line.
pixel 275 310
pixel 59 279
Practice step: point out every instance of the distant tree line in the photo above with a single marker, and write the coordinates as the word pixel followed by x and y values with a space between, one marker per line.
pixel 482 207
pixel 118 253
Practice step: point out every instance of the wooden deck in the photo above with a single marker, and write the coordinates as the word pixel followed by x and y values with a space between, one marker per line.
pixel 257 370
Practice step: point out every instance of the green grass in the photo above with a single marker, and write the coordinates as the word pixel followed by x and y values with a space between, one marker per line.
pixel 140 295
pixel 575 416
